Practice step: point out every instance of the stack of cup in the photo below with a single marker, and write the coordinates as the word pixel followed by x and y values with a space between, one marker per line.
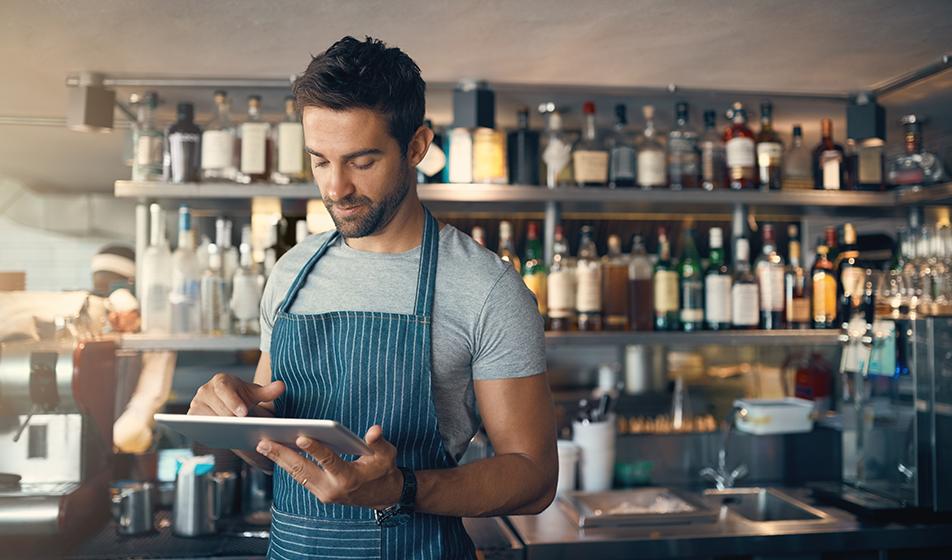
pixel 568 466
pixel 596 441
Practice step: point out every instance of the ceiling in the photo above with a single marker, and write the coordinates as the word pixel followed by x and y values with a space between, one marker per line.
pixel 769 45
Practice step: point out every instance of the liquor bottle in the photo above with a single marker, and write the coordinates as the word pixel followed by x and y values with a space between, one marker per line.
pixel 829 237
pixel 615 287
pixel 741 159
pixel 684 157
pixel 590 157
pixel 640 307
pixel 228 252
pixel 156 280
pixel 246 291
pixel 431 167
pixel 717 285
pixel 667 304
pixel 184 147
pixel 691 278
pixel 849 276
pixel 254 145
pixel 557 153
pixel 797 173
pixel 277 245
pixel 621 167
pixel 588 284
pixel 770 278
pixel 218 143
pixel 148 142
pixel 651 159
pixel 868 170
pixel 796 298
pixel 713 156
pixel 561 285
pixel 523 152
pixel 533 273
pixel 745 295
pixel 479 235
pixel 461 155
pixel 184 297
pixel 489 156
pixel 915 166
pixel 769 151
pixel 215 314
pixel 829 160
pixel 823 290
pixel 291 161
pixel 507 249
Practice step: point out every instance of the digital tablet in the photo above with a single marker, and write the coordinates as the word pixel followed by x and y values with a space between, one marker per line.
pixel 234 432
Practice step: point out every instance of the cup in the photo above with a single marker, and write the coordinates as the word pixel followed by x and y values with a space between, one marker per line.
pixel 568 466
pixel 596 441
pixel 134 509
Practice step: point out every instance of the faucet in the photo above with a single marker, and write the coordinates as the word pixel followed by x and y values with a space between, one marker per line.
pixel 720 476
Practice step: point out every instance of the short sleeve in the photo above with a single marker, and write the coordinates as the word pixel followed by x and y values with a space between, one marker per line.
pixel 268 311
pixel 510 333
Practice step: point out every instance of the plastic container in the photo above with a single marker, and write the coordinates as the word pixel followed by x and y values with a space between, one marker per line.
pixel 774 416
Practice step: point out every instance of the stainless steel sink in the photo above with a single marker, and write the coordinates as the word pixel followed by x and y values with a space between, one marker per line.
pixel 766 505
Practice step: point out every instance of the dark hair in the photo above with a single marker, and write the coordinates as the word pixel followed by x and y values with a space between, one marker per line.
pixel 368 75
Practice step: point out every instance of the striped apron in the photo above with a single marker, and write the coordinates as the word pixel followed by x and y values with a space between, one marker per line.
pixel 361 369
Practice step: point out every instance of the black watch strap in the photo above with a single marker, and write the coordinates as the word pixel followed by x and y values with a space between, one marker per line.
pixel 400 512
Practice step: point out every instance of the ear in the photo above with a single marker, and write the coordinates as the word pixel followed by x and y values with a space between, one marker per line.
pixel 419 144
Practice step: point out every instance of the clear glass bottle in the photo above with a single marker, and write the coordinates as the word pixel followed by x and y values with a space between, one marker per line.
pixel 640 291
pixel 713 156
pixel 489 156
pixel 254 145
pixel 666 300
pixel 561 285
pixel 770 279
pixel 148 142
pixel 183 147
pixel 717 285
pixel 590 158
pixel 692 284
pixel 915 166
pixel 557 150
pixel 246 291
pixel 156 278
pixel 652 173
pixel 291 161
pixel 533 273
pixel 745 295
pixel 615 287
pixel 218 143
pixel 229 253
pixel 741 153
pixel 797 173
pixel 185 295
pixel 769 151
pixel 215 314
pixel 588 283
pixel 622 156
pixel 829 161
pixel 796 287
pixel 684 156
pixel 461 155
pixel 523 152
pixel 507 249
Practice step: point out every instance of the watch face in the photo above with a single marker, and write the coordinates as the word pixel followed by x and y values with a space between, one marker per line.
pixel 392 517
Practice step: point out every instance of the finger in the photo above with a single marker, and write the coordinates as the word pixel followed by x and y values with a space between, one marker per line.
pixel 325 456
pixel 198 408
pixel 215 403
pixel 231 400
pixel 374 437
pixel 264 393
pixel 298 467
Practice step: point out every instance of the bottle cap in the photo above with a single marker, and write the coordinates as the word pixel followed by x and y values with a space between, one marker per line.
pixel 533 230
pixel 589 108
pixel 797 130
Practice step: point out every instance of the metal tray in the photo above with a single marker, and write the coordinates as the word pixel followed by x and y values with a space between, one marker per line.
pixel 638 506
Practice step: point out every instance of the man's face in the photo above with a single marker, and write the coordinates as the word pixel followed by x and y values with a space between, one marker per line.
pixel 358 167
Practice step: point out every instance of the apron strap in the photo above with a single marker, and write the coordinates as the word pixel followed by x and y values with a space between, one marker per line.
pixel 426 277
pixel 302 275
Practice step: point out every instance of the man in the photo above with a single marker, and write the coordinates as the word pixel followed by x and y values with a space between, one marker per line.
pixel 398 328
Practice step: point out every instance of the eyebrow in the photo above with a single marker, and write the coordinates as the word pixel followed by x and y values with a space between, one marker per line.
pixel 350 156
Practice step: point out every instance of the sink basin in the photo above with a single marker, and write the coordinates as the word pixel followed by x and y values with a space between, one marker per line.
pixel 766 505
pixel 636 507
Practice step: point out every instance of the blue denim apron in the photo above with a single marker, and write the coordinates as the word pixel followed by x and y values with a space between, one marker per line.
pixel 361 369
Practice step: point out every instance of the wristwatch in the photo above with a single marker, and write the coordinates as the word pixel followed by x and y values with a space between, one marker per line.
pixel 402 511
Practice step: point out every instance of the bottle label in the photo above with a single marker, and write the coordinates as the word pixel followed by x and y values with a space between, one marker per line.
pixel 769 154
pixel 183 155
pixel 561 293
pixel 824 297
pixel 245 298
pixel 489 157
pixel 666 296
pixel 870 167
pixel 623 163
pixel 218 149
pixel 831 160
pixel 651 168
pixel 770 279
pixel 740 152
pixel 798 310
pixel 254 145
pixel 461 156
pixel 692 304
pixel 717 298
pixel 537 285
pixel 591 166
pixel 290 148
pixel 852 279
pixel 745 305
pixel 588 292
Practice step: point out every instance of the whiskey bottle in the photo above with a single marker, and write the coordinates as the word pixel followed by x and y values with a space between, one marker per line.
pixel 588 288
pixel 739 140
pixel 745 295
pixel 615 287
pixel 797 301
pixel 590 157
pixel 849 276
pixel 651 159
pixel 769 151
pixel 561 285
pixel 770 280
pixel 489 156
pixel 915 166
pixel 507 249
pixel 713 157
pixel 667 304
pixel 533 272
pixel 829 161
pixel 684 157
pixel 640 291
pixel 621 167
pixel 823 290
pixel 797 172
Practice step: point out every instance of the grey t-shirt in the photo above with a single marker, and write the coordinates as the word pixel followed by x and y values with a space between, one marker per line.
pixel 485 321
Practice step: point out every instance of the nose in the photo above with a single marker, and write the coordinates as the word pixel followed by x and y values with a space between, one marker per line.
pixel 335 184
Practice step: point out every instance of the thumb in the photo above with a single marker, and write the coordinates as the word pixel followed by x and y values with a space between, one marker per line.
pixel 374 436
pixel 265 393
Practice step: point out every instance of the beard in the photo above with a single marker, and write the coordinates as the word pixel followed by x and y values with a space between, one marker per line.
pixel 370 217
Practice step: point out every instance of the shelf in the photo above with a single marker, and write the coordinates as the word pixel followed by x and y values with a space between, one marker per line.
pixel 235 343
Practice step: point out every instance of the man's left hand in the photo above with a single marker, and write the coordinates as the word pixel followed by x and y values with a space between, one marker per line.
pixel 372 481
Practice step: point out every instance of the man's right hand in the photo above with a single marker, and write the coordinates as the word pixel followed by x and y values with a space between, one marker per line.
pixel 226 395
